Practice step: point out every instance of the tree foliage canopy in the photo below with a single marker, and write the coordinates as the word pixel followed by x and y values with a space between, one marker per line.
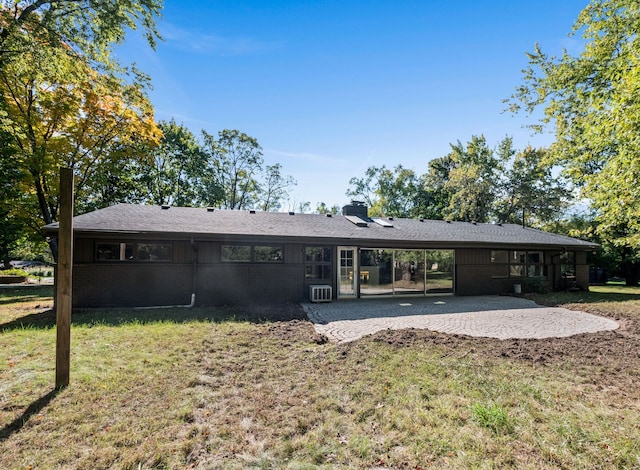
pixel 87 28
pixel 473 183
pixel 64 100
pixel 592 102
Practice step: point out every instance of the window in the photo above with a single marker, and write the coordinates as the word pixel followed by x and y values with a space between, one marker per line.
pixel 248 253
pixel 267 254
pixel 317 263
pixel 153 251
pixel 517 263
pixel 236 253
pixel 121 251
pixel 114 251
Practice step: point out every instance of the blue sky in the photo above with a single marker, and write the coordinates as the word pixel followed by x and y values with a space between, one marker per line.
pixel 330 88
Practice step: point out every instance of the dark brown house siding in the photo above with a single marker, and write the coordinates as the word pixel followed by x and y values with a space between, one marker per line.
pixel 112 285
pixel 196 266
pixel 474 273
pixel 141 284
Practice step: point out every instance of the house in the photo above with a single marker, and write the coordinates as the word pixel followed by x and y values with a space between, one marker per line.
pixel 132 255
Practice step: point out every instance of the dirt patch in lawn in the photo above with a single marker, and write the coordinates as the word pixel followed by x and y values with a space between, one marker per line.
pixel 615 354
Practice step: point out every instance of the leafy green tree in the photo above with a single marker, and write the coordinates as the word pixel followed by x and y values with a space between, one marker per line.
pixel 471 184
pixel 275 188
pixel 61 114
pixel 174 175
pixel 387 192
pixel 530 191
pixel 435 194
pixel 11 223
pixel 64 100
pixel 236 163
pixel 323 209
pixel 592 102
pixel 366 188
pixel 86 28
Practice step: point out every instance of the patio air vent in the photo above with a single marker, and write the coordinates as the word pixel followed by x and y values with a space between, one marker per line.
pixel 321 293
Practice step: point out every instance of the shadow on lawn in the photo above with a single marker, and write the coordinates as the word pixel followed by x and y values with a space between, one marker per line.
pixel 14 295
pixel 118 317
pixel 557 298
pixel 34 408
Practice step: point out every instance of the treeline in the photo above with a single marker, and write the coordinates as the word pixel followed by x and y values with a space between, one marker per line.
pixel 226 171
pixel 473 183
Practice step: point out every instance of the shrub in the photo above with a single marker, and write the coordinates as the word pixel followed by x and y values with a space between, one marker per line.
pixel 535 285
pixel 14 272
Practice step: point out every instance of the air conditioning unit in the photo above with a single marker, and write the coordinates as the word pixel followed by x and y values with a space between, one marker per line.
pixel 320 293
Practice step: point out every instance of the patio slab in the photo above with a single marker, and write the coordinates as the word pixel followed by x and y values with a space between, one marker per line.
pixel 500 317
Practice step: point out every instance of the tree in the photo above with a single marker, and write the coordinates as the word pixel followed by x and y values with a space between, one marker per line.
pixel 592 101
pixel 11 225
pixel 86 28
pixel 60 113
pixel 236 161
pixel 275 188
pixel 529 191
pixel 323 209
pixel 434 194
pixel 387 192
pixel 64 100
pixel 471 184
pixel 174 175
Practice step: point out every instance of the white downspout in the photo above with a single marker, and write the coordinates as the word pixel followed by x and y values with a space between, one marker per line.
pixel 194 279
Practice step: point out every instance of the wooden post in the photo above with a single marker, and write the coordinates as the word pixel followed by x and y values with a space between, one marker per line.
pixel 63 280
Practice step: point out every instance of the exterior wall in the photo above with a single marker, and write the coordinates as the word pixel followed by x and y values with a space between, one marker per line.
pixel 582 271
pixel 140 284
pixel 249 284
pixel 474 274
pixel 144 283
pixel 131 285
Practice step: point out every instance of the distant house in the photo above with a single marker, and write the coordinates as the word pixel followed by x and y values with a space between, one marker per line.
pixel 132 255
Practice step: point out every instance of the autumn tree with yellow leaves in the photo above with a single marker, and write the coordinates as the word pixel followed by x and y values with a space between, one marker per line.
pixel 64 101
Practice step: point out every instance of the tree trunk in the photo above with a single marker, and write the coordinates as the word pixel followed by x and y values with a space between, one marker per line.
pixel 53 245
pixel 631 273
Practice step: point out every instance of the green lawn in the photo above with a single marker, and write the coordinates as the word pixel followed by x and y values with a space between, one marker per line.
pixel 211 388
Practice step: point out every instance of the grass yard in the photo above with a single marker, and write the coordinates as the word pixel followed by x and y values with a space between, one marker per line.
pixel 225 388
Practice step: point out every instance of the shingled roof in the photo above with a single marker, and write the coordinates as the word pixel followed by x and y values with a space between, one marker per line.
pixel 243 224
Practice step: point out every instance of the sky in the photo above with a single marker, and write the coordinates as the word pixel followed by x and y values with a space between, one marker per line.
pixel 330 88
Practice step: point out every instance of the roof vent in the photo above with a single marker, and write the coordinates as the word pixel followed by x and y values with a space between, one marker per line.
pixel 292 213
pixel 252 211
pixel 421 220
pixel 448 221
pixel 210 209
pixel 165 206
pixel 329 215
pixel 474 222
pixel 390 218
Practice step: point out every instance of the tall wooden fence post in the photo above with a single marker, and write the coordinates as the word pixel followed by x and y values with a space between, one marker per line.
pixel 64 279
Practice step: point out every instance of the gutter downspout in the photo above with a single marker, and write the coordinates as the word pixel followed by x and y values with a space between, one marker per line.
pixel 194 279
